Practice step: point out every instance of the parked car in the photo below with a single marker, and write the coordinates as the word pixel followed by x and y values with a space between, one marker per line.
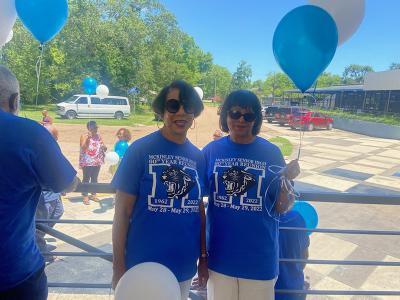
pixel 311 120
pixel 284 114
pixel 269 113
pixel 91 106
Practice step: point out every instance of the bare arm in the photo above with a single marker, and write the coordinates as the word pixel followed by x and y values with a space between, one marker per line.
pixel 285 198
pixel 202 269
pixel 84 142
pixel 72 187
pixel 124 204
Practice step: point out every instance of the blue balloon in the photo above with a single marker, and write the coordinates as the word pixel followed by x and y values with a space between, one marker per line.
pixel 89 85
pixel 43 18
pixel 121 147
pixel 308 212
pixel 304 44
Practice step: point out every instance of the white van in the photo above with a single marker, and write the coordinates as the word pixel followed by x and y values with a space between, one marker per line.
pixel 91 106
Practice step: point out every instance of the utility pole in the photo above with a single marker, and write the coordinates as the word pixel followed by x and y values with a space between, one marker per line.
pixel 215 88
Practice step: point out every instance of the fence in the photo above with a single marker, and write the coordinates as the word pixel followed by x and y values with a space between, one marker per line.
pixel 361 199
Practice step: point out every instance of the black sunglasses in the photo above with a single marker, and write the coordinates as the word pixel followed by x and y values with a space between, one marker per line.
pixel 173 106
pixel 236 115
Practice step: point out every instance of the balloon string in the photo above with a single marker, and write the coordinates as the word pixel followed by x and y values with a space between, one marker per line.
pixel 38 69
pixel 302 129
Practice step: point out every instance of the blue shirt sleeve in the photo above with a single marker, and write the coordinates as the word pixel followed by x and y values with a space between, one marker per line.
pixel 53 171
pixel 130 171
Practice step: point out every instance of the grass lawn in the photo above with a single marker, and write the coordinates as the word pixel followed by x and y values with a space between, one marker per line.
pixel 283 144
pixel 143 116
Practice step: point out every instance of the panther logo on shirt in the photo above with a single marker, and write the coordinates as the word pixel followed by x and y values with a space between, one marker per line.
pixel 237 181
pixel 177 182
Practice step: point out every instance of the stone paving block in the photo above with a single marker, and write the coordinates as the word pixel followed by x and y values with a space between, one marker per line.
pixel 391 153
pixel 385 159
pixel 328 182
pixel 362 168
pixel 355 276
pixel 374 163
pixel 390 182
pixel 384 278
pixel 329 283
pixel 327 247
pixel 348 174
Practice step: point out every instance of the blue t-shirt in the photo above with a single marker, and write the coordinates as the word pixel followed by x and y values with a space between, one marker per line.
pixel 167 179
pixel 30 160
pixel 292 244
pixel 242 236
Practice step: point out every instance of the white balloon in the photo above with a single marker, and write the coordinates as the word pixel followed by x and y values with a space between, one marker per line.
pixel 148 281
pixel 8 14
pixel 199 92
pixel 348 15
pixel 112 158
pixel 102 91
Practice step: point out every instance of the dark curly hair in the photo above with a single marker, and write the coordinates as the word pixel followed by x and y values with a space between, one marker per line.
pixel 187 94
pixel 244 99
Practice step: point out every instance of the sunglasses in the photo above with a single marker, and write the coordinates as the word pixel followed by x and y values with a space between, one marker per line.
pixel 173 106
pixel 236 115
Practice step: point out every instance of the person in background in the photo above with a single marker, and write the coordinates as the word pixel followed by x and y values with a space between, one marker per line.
pixel 92 152
pixel 159 212
pixel 30 161
pixel 244 198
pixel 46 119
pixel 50 206
pixel 292 244
pixel 218 134
pixel 124 135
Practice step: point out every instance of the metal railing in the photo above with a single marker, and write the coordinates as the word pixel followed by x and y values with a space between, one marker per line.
pixel 353 198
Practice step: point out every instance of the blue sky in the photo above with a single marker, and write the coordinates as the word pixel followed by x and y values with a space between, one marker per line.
pixel 234 30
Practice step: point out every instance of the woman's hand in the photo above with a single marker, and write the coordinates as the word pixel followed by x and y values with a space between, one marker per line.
pixel 292 169
pixel 202 272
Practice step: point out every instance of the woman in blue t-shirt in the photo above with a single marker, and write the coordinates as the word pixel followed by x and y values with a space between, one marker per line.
pixel 245 197
pixel 159 213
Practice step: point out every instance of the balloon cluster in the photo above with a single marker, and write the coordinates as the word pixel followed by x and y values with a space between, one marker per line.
pixel 306 39
pixel 43 18
pixel 90 87
pixel 114 157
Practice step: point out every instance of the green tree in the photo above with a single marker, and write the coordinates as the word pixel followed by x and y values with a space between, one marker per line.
pixel 394 66
pixel 354 74
pixel 327 79
pixel 276 83
pixel 241 79
pixel 121 43
pixel 216 82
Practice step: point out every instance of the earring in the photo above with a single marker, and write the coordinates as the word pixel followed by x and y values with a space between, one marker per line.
pixel 194 124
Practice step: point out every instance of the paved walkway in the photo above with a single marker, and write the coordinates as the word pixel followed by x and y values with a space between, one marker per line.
pixel 331 161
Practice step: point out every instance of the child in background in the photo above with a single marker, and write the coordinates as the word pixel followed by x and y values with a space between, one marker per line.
pixel 292 244
pixel 46 120
pixel 124 134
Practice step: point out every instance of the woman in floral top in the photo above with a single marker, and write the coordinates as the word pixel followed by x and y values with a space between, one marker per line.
pixel 91 157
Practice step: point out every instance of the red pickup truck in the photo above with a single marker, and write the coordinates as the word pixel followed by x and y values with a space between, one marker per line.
pixel 284 114
pixel 311 120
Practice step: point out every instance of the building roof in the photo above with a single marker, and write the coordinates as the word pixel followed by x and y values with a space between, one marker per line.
pixel 332 89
